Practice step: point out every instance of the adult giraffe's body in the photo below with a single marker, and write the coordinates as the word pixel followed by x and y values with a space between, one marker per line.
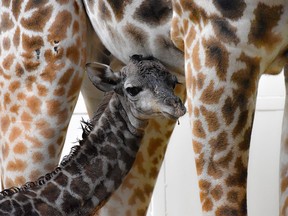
pixel 227 46
pixel 46 50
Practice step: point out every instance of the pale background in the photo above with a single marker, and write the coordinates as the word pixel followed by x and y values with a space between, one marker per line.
pixel 176 192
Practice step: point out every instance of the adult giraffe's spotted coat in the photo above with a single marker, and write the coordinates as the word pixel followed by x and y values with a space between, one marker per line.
pixel 134 195
pixel 227 46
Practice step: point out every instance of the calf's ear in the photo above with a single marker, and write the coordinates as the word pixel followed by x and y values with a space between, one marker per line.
pixel 102 76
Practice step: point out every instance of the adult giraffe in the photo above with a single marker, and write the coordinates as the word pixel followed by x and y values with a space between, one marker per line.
pixel 43 47
pixel 226 63
pixel 227 46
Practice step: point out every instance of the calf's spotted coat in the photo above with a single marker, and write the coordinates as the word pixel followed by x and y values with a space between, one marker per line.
pixel 141 90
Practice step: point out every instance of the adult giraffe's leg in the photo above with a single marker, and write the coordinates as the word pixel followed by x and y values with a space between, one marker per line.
pixel 42 57
pixel 221 113
pixel 221 82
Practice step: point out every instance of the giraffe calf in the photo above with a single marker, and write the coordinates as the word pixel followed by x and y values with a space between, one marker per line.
pixel 94 169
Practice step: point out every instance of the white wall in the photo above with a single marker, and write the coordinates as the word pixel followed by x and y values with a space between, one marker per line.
pixel 176 192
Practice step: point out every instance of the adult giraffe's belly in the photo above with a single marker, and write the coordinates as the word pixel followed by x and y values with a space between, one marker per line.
pixel 141 27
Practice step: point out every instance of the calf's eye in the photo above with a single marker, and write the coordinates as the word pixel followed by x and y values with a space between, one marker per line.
pixel 133 91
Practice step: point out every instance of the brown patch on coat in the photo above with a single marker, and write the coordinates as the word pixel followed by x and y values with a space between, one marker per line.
pixel 196 14
pixel 233 196
pixel 30 44
pixel 5 123
pixel 52 151
pixel 154 12
pixel 6 22
pixel 29 81
pixel 118 7
pixel 230 9
pixel 14 134
pixel 241 123
pixel 32 4
pixel 65 78
pixel 5 150
pixel 75 86
pixel 200 162
pixel 217 192
pixel 224 31
pixel 16 37
pixel 44 129
pixel 53 107
pixel 177 9
pixel 239 177
pixel 245 144
pixel 211 119
pixel 195 57
pixel 198 129
pixel 136 34
pixel 175 34
pixel 4 75
pixel 58 30
pixel 228 110
pixel 246 79
pixel 16 165
pixel 246 85
pixel 104 12
pixel 38 20
pixel 76 28
pixel 154 145
pixel 73 54
pixel 14 86
pixel 53 66
pixel 6 43
pixel 214 170
pixel 190 37
pixel 34 104
pixel 227 210
pixel 210 95
pixel 206 201
pixel 20 180
pixel 42 90
pixel 63 115
pixel 35 141
pixel 190 80
pixel 216 57
pixel 197 147
pixel 60 91
pixel 15 108
pixel 26 119
pixel 261 32
pixel 8 61
pixel 37 157
pixel 219 143
pixel 6 3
